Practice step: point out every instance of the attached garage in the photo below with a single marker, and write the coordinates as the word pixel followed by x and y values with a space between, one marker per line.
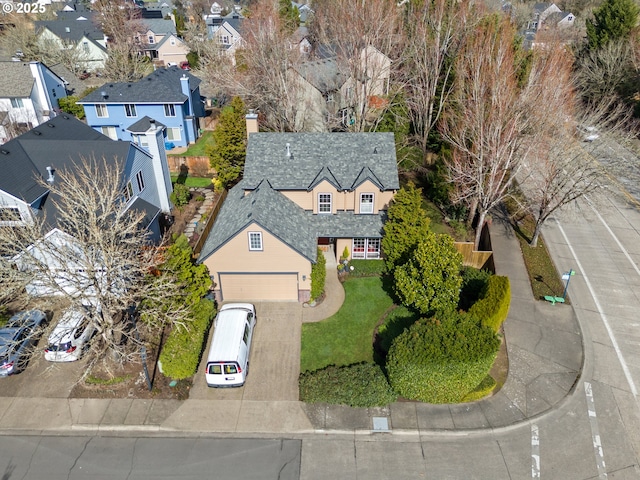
pixel 259 286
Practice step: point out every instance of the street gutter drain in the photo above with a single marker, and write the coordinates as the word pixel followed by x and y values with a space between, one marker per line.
pixel 381 424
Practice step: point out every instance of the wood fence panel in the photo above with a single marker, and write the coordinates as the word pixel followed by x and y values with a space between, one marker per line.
pixel 197 248
pixel 475 258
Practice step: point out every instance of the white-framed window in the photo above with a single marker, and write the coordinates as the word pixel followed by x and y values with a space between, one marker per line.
pixel 366 248
pixel 101 110
pixel 324 203
pixel 130 110
pixel 10 215
pixel 17 103
pixel 173 134
pixel 143 141
pixel 140 181
pixel 110 132
pixel 169 110
pixel 224 39
pixel 255 241
pixel 366 203
pixel 151 39
pixel 128 191
pixel 85 47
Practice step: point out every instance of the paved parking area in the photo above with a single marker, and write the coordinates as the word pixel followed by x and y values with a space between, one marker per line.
pixel 274 362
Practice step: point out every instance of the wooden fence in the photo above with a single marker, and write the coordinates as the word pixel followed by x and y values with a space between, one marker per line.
pixel 195 166
pixel 475 258
pixel 197 248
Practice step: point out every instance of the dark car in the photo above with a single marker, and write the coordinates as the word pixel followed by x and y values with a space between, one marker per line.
pixel 17 339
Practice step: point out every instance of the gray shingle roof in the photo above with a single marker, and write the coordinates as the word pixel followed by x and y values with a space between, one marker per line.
pixel 142 125
pixel 343 159
pixel 272 211
pixel 16 80
pixel 324 74
pixel 76 28
pixel 160 26
pixel 161 86
pixel 57 143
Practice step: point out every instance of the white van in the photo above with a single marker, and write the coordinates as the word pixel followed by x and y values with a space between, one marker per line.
pixel 228 359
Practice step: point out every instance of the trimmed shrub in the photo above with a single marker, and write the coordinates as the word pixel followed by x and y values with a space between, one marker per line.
pixel 493 307
pixel 182 350
pixel 474 282
pixel 358 385
pixel 69 105
pixel 345 254
pixel 318 275
pixel 441 362
pixel 484 389
pixel 180 195
pixel 367 268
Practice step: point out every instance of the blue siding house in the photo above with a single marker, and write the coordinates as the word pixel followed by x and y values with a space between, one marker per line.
pixel 170 96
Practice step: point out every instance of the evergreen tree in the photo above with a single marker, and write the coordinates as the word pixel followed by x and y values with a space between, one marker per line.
pixel 430 281
pixel 228 153
pixel 406 225
pixel 614 19
pixel 289 16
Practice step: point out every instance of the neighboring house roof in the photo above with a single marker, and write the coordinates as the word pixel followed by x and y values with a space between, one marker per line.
pixel 160 26
pixel 343 159
pixel 73 85
pixel 324 75
pixel 161 86
pixel 71 29
pixel 165 39
pixel 56 143
pixel 16 80
pixel 142 125
pixel 272 211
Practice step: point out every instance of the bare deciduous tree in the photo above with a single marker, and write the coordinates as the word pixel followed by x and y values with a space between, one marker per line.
pixel 98 257
pixel 260 72
pixel 433 34
pixel 487 122
pixel 364 38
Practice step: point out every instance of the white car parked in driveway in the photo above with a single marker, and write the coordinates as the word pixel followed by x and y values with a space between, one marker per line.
pixel 70 336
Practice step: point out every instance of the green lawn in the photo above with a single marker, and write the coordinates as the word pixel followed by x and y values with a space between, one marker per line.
pixel 194 182
pixel 346 337
pixel 198 149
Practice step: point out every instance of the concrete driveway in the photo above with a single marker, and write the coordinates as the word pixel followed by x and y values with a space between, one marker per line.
pixel 274 362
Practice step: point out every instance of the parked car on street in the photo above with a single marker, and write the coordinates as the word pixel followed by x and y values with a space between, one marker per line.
pixel 70 336
pixel 17 340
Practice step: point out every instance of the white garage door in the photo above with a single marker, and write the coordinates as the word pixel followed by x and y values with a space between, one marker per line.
pixel 256 287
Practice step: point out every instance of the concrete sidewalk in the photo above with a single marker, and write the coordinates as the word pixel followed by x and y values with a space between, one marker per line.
pixel 544 345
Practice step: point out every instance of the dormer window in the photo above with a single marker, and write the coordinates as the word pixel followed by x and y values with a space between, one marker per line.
pixel 255 241
pixel 151 39
pixel 366 203
pixel 324 203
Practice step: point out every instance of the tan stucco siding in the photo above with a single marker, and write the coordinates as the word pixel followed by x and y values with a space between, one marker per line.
pixel 303 199
pixel 275 257
pixel 336 198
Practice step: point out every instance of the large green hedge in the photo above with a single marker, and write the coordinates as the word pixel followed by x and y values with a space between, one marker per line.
pixel 358 385
pixel 441 361
pixel 493 307
pixel 182 350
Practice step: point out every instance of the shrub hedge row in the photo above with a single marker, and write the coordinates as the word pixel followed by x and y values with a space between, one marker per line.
pixel 485 388
pixel 441 361
pixel 367 268
pixel 318 275
pixel 358 385
pixel 182 350
pixel 493 307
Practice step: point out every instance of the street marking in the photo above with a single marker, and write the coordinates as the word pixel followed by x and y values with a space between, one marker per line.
pixel 595 432
pixel 613 235
pixel 605 321
pixel 535 451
